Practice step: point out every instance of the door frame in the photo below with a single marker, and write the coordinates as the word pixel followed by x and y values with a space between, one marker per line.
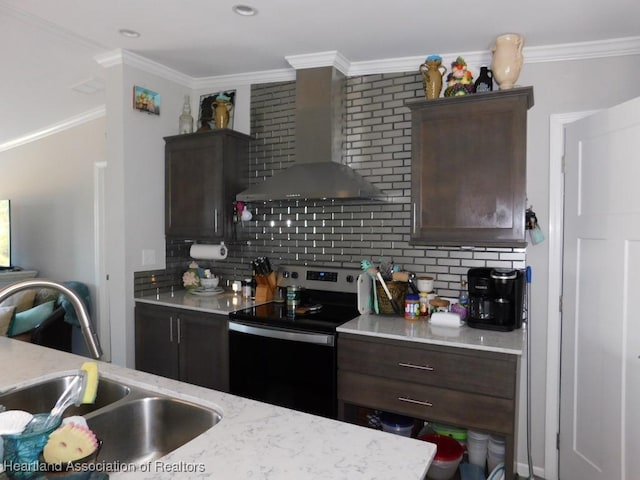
pixel 557 124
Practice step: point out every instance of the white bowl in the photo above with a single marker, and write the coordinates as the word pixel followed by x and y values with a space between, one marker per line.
pixel 425 284
pixel 209 283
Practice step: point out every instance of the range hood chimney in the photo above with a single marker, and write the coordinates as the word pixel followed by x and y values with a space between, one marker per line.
pixel 316 173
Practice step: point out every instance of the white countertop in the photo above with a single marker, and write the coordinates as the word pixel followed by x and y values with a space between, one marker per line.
pixel 383 326
pixel 422 331
pixel 222 304
pixel 252 441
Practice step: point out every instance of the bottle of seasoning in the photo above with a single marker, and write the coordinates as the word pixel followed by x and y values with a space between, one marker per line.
pixel 412 306
pixel 424 304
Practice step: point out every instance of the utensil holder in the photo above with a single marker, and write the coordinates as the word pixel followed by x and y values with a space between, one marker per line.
pixel 265 287
pixel 397 290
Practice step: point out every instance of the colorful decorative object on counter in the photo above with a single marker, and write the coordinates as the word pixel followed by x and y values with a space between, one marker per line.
pixel 191 278
pixel 507 59
pixel 459 80
pixel 433 71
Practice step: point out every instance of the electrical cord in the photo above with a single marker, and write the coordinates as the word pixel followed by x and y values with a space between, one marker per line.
pixel 528 331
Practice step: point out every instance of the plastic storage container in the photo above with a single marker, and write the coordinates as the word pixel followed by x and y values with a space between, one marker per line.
pixel 459 434
pixel 495 452
pixel 448 456
pixel 477 444
pixel 398 424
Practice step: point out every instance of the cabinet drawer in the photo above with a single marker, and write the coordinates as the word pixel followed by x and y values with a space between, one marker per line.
pixel 456 368
pixel 447 406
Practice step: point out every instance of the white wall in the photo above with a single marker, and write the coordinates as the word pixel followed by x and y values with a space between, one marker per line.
pixel 50 183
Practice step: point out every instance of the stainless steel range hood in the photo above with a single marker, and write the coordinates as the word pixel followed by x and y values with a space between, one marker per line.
pixel 316 173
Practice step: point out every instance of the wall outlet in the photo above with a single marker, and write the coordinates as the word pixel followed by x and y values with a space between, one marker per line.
pixel 148 256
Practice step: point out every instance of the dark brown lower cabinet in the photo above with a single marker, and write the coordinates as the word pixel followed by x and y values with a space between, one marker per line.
pixel 182 344
pixel 456 386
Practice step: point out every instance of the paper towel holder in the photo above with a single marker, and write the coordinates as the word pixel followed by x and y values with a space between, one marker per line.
pixel 207 251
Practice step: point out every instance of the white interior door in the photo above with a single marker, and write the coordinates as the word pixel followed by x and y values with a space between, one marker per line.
pixel 600 360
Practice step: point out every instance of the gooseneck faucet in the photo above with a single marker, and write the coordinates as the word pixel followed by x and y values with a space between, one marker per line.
pixel 89 334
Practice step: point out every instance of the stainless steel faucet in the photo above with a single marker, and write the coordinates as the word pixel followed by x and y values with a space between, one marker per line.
pixel 89 334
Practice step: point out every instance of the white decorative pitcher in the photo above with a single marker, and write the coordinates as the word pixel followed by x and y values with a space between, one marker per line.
pixel 507 59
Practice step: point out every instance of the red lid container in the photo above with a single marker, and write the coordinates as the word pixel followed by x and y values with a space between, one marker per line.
pixel 448 449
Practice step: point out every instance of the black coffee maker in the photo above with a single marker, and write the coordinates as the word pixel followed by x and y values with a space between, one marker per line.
pixel 496 298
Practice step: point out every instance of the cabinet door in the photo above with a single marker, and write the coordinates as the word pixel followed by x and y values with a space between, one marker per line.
pixel 193 187
pixel 155 335
pixel 469 169
pixel 203 173
pixel 204 355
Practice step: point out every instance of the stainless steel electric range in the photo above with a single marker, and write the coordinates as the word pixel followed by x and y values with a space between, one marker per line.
pixel 285 352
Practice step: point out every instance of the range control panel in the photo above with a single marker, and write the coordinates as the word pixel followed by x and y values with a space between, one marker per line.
pixel 319 278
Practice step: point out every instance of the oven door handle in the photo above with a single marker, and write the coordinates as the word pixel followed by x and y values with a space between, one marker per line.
pixel 315 338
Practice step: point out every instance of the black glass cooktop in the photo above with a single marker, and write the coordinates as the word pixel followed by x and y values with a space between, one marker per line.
pixel 309 317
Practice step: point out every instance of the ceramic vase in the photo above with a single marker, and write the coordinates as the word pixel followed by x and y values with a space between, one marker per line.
pixel 221 113
pixel 507 59
pixel 433 71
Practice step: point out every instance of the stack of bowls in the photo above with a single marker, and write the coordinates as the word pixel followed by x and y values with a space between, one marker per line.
pixel 477 446
pixel 495 452
pixel 425 284
pixel 398 424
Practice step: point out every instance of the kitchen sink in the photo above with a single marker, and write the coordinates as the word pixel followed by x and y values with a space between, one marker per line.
pixel 41 397
pixel 135 425
pixel 147 428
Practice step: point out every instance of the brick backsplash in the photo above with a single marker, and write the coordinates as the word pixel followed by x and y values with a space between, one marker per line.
pixel 378 146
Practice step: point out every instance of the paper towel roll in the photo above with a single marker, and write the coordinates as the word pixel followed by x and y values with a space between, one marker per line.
pixel 201 251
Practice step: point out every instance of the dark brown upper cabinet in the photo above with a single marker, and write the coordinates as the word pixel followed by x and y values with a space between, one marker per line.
pixel 468 185
pixel 203 173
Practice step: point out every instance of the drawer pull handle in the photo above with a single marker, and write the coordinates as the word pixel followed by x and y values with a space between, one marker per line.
pixel 419 402
pixel 429 368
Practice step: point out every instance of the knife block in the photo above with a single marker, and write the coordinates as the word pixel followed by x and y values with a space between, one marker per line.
pixel 265 287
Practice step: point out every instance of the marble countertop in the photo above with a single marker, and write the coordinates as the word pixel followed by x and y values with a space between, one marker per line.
pixel 253 440
pixel 384 326
pixel 422 331
pixel 222 304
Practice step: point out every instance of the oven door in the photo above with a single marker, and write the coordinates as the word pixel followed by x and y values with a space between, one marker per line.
pixel 288 368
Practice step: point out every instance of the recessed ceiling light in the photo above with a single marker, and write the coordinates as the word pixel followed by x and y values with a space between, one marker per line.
pixel 125 32
pixel 244 10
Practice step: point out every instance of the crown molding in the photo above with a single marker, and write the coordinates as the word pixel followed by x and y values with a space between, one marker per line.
pixel 331 58
pixel 553 53
pixel 614 47
pixel 55 128
pixel 228 81
pixel 125 57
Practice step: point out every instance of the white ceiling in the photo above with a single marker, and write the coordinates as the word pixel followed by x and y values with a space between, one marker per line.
pixel 50 46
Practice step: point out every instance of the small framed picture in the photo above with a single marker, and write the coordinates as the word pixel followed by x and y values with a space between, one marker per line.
pixel 146 100
pixel 208 102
